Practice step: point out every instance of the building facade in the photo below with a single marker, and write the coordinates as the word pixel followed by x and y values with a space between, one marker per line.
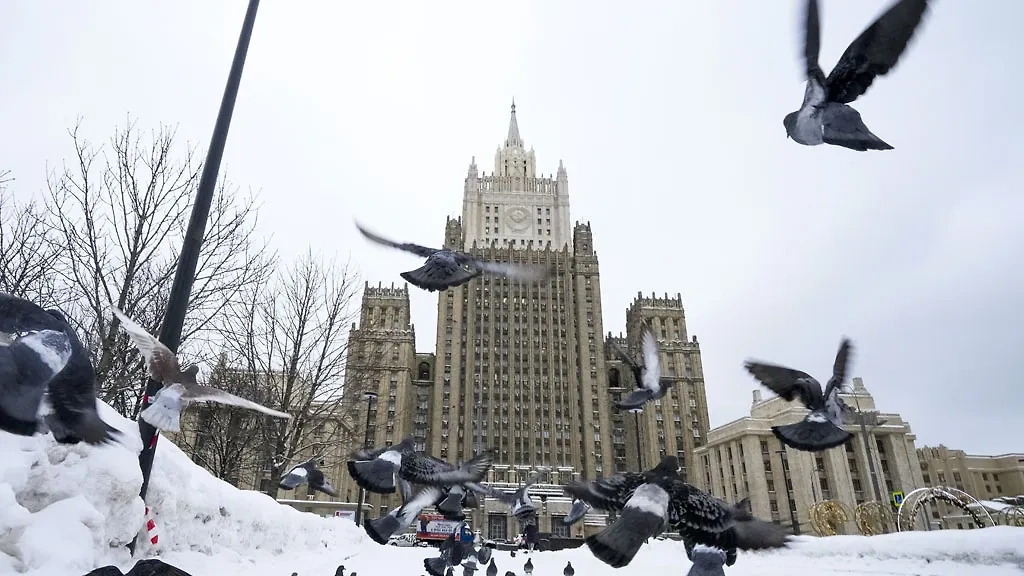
pixel 744 459
pixel 986 478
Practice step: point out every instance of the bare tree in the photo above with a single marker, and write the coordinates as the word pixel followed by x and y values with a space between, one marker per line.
pixel 119 213
pixel 226 440
pixel 28 253
pixel 291 339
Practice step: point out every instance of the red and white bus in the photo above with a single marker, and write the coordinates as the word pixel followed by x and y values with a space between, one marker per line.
pixel 434 527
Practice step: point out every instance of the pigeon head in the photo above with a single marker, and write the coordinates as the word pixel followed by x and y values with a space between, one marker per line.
pixel 57 314
pixel 669 466
pixel 790 123
pixel 190 374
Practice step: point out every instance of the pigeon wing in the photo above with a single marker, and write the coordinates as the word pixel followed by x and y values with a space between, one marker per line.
pixel 609 494
pixel 208 394
pixel 159 358
pixel 875 51
pixel 787 383
pixel 634 399
pixel 432 472
pixel 812 42
pixel 652 362
pixel 295 478
pixel 839 367
pixel 524 272
pixel 416 249
pixel 696 510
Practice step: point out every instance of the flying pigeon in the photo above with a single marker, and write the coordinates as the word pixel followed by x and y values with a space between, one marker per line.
pixel 746 533
pixel 519 502
pixel 413 502
pixel 824 116
pixel 492 568
pixel 568 570
pixel 707 561
pixel 71 390
pixel 459 496
pixel 446 268
pixel 378 475
pixel 698 516
pixel 821 428
pixel 453 552
pixel 307 472
pixel 27 365
pixel 576 513
pixel 650 385
pixel 180 387
pixel 528 567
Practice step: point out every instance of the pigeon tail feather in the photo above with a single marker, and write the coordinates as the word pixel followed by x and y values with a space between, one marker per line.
pixel 811 435
pixel 381 529
pixel 451 507
pixel 377 475
pixel 617 544
pixel 435 566
pixel 162 417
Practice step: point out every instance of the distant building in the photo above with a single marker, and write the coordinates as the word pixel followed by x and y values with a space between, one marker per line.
pixel 522 368
pixel 986 478
pixel 744 459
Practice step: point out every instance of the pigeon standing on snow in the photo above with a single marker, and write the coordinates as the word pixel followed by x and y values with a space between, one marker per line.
pixel 528 567
pixel 378 474
pixel 824 116
pixel 180 387
pixel 453 552
pixel 650 385
pixel 821 428
pixel 446 268
pixel 568 570
pixel 307 473
pixel 576 513
pixel 492 568
pixel 413 502
pixel 340 571
pixel 71 390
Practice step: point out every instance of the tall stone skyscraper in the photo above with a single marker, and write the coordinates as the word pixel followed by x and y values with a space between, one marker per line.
pixel 520 365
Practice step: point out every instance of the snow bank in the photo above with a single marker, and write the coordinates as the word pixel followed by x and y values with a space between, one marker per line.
pixel 69 509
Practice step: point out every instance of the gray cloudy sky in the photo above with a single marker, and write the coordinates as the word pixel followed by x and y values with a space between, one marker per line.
pixel 668 116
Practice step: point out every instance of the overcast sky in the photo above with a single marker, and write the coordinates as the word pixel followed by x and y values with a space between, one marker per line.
pixel 668 117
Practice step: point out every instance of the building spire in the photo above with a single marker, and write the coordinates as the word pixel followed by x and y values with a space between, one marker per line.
pixel 513 138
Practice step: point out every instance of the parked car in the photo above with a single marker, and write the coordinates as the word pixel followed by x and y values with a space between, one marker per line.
pixel 403 540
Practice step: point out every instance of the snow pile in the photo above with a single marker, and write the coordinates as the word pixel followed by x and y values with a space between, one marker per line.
pixel 69 509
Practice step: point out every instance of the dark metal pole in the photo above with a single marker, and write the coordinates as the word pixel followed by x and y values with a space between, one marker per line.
pixel 789 493
pixel 370 396
pixel 188 259
pixel 639 458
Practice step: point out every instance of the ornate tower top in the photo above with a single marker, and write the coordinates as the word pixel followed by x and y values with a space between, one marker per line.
pixel 513 140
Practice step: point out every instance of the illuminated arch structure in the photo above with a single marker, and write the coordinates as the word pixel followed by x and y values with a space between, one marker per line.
pixel 911 505
pixel 873 518
pixel 829 517
pixel 1012 516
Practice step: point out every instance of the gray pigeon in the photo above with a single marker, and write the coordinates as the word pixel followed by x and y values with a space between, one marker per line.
pixel 528 567
pixel 492 568
pixel 446 268
pixel 73 417
pixel 179 386
pixel 824 116
pixel 650 385
pixel 707 561
pixel 379 474
pixel 307 473
pixel 821 429
pixel 576 513
pixel 413 502
pixel 746 533
pixel 568 570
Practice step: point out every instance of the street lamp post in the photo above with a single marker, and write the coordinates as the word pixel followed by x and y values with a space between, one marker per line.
pixel 789 493
pixel 188 258
pixel 639 458
pixel 370 397
pixel 862 418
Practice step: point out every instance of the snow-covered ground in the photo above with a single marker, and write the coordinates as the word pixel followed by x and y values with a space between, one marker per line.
pixel 65 510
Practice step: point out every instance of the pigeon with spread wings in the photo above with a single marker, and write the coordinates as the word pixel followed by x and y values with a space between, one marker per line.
pixel 446 268
pixel 414 500
pixel 308 473
pixel 822 428
pixel 180 387
pixel 71 390
pixel 825 116
pixel 650 385
pixel 379 474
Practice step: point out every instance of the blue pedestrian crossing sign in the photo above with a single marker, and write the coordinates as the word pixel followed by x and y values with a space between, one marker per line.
pixel 897 498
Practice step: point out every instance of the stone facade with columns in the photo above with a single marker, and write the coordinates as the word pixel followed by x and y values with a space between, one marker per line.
pixel 744 459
